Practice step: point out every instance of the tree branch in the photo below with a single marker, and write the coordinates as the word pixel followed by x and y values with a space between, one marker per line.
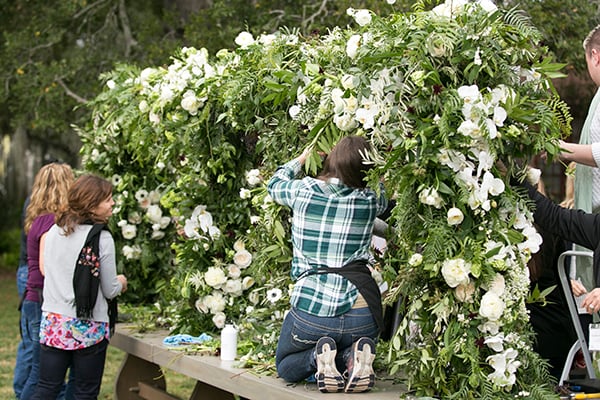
pixel 87 8
pixel 129 40
pixel 322 10
pixel 69 92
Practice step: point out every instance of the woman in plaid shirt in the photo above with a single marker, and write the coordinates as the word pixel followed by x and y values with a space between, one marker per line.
pixel 333 323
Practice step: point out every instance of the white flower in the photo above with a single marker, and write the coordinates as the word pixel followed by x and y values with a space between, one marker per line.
pixel 116 180
pixel 487 5
pixel 456 272
pixel 533 175
pixel 495 342
pixel 253 177
pixel 247 282
pixel 132 252
pixel 215 277
pixel 499 116
pixel 294 111
pixel 244 40
pixel 219 320
pixel 464 292
pixel 239 245
pixel 129 231
pixel 491 306
pixel 242 258
pixel 111 84
pixel 191 103
pixel 273 295
pixel 154 213
pixel 469 94
pixel 245 193
pixel 201 306
pixel 477 58
pixel 454 216
pixel 362 17
pixel 143 106
pixel 352 45
pixel 431 197
pixel 469 128
pixel 255 219
pixel 164 222
pixel 233 271
pixel 233 287
pixel 415 260
pixel 267 39
pixel 157 235
pixel 498 285
pixel 349 81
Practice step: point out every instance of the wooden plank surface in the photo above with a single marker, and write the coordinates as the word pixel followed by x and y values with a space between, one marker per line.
pixel 223 374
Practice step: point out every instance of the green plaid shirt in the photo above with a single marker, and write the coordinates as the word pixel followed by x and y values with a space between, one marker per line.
pixel 332 224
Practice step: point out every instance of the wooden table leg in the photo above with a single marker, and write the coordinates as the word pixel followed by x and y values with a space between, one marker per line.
pixel 203 391
pixel 134 370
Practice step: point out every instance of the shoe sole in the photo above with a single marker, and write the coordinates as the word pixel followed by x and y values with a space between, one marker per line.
pixel 363 376
pixel 329 380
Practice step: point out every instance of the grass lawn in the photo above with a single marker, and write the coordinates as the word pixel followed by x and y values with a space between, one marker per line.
pixel 178 385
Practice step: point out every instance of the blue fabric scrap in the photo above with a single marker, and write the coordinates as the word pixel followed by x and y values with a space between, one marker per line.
pixel 185 339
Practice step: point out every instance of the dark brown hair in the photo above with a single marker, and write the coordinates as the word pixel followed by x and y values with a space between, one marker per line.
pixel 346 162
pixel 592 41
pixel 85 195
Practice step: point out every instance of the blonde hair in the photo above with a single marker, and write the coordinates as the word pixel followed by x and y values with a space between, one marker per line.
pixel 49 192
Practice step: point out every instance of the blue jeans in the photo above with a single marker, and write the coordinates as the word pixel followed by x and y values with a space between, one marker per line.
pixel 31 316
pixel 23 364
pixel 88 362
pixel 295 357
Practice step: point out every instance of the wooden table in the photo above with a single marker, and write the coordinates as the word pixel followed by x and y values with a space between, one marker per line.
pixel 140 375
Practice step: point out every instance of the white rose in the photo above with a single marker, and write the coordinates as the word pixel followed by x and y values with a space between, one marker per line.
pixel 464 292
pixel 215 277
pixel 219 320
pixel 233 287
pixel 456 272
pixel 362 17
pixel 154 213
pixel 242 258
pixel 455 216
pixel 233 271
pixel 154 196
pixel 164 222
pixel 128 231
pixel 215 302
pixel 244 40
pixel 239 245
pixel 157 235
pixel 491 306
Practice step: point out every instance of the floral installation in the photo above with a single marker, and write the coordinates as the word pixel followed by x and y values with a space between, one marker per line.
pixel 443 94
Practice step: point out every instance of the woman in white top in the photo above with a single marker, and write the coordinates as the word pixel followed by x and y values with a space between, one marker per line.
pixel 80 275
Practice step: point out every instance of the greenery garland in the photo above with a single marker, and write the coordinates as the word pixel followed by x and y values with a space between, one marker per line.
pixel 442 94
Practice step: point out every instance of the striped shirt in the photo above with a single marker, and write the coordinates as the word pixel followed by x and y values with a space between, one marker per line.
pixel 332 224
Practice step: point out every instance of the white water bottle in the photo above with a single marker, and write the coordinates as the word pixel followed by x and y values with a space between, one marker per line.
pixel 228 343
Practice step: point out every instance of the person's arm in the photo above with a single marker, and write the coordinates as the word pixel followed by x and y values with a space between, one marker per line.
pixel 575 226
pixel 282 186
pixel 42 244
pixel 586 154
pixel 111 283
